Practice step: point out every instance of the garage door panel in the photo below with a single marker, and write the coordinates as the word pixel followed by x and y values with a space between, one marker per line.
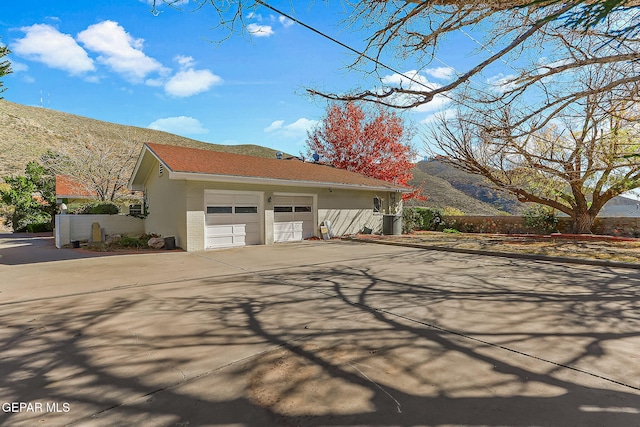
pixel 302 200
pixel 307 229
pixel 283 200
pixel 219 242
pixel 287 231
pixel 293 218
pixel 245 217
pixel 220 230
pixel 219 219
pixel 283 216
pixel 231 220
pixel 246 199
pixel 219 199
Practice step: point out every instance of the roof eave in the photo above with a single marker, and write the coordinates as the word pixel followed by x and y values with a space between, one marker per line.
pixel 194 176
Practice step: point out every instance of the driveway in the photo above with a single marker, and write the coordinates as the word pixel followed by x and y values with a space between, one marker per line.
pixel 317 334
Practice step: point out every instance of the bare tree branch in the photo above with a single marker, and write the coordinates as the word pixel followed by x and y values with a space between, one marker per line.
pixel 100 166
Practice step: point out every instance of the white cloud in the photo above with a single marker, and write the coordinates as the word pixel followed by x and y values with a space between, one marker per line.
pixel 415 81
pixel 502 83
pixel 158 4
pixel 18 66
pixel 253 15
pixel 181 125
pixel 296 129
pixel 409 80
pixel 191 82
pixel 155 82
pixel 185 61
pixel 119 51
pixel 443 73
pixel 274 126
pixel 45 44
pixel 260 30
pixel 449 113
pixel 286 22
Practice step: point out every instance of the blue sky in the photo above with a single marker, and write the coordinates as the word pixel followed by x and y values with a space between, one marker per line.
pixel 115 61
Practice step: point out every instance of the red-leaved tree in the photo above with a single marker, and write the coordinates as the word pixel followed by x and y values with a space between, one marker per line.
pixel 376 144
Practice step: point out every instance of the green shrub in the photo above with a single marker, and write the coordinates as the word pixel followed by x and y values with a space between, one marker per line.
pixel 429 218
pixel 94 208
pixel 132 242
pixel 451 211
pixel 420 219
pixel 450 230
pixel 541 219
pixel 39 227
pixel 410 220
pixel 105 208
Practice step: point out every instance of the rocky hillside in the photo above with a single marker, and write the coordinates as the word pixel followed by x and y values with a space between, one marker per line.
pixel 28 132
pixel 472 194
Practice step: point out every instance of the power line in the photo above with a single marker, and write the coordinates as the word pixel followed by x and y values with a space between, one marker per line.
pixel 346 46
pixel 383 65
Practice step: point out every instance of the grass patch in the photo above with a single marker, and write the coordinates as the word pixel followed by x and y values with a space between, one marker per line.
pixel 589 248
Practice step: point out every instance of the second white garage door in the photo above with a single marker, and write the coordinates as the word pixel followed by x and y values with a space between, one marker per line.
pixel 293 218
pixel 231 220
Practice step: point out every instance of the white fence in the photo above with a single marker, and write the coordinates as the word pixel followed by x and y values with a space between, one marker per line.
pixel 78 227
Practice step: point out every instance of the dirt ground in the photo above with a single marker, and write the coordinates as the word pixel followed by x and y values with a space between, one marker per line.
pixel 587 247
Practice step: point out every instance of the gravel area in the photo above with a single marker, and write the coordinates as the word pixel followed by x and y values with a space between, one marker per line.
pixel 572 246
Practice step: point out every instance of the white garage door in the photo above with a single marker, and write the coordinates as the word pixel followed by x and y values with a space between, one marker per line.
pixel 231 220
pixel 293 218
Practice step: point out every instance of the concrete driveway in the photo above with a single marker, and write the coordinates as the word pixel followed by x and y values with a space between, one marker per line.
pixel 316 334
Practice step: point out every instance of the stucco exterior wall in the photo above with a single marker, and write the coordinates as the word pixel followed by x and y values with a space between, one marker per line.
pixel 166 206
pixel 351 211
pixel 78 227
pixel 182 206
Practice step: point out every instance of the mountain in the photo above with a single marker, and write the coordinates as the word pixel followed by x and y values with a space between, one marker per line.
pixel 441 194
pixel 445 186
pixel 26 133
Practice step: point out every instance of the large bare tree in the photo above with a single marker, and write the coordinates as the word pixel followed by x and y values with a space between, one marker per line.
pixel 101 166
pixel 410 34
pixel 575 162
pixel 413 34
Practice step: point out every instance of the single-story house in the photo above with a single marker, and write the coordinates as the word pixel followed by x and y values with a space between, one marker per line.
pixel 208 199
pixel 70 191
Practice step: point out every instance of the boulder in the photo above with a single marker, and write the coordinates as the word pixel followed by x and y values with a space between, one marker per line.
pixel 113 238
pixel 156 243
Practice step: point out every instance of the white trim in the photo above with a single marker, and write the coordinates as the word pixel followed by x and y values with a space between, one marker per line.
pixel 145 149
pixel 190 176
pixel 138 163
pixel 314 207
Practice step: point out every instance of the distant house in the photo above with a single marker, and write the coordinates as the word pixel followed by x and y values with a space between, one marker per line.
pixel 70 191
pixel 208 199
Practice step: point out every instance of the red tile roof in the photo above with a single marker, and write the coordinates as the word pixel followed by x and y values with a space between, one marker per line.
pixel 68 187
pixel 192 160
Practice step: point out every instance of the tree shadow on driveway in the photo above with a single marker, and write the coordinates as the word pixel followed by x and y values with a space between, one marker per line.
pixel 377 343
pixel 23 248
